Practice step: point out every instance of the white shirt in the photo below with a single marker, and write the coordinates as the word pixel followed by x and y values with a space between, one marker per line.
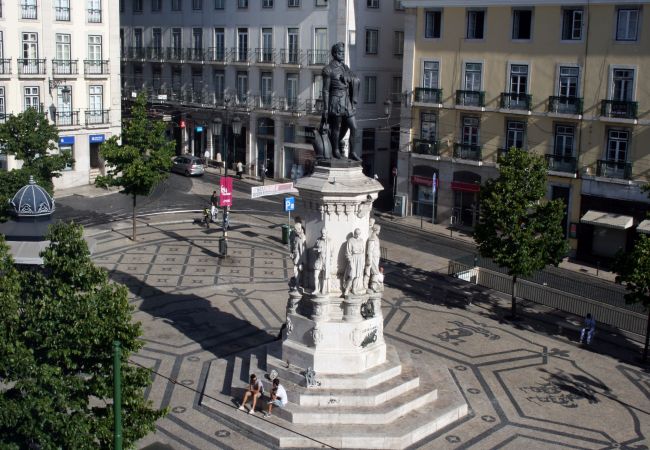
pixel 281 395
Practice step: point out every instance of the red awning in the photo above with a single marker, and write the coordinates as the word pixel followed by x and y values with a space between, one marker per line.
pixel 466 187
pixel 422 181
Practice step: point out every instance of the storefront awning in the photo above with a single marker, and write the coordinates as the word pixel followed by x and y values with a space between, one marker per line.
pixel 422 181
pixel 607 220
pixel 466 187
pixel 644 227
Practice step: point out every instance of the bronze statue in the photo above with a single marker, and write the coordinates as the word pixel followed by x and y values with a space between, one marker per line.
pixel 340 97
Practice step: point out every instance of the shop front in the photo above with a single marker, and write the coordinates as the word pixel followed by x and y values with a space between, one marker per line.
pixel 424 183
pixel 466 187
pixel 299 156
pixel 265 167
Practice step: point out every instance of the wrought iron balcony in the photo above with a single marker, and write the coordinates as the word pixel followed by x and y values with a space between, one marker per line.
pixel 241 55
pixel 5 66
pixel 314 106
pixel 467 151
pixel 565 105
pixel 96 67
pixel 510 100
pixel 428 95
pixel 560 163
pixel 66 118
pixel 64 67
pixel 264 56
pixel 28 11
pixel 192 96
pixel 216 54
pixel 290 56
pixel 470 98
pixel 264 101
pixel 155 53
pixel 289 104
pixel 619 109
pixel 97 116
pixel 614 169
pixel 27 66
pixel 135 53
pixel 62 13
pixel 318 57
pixel 3 119
pixel 425 147
pixel 174 53
pixel 194 54
pixel 94 16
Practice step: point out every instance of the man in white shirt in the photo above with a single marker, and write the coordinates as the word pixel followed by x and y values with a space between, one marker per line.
pixel 278 397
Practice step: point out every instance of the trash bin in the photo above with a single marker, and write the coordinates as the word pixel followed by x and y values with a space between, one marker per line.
pixel 223 247
pixel 286 229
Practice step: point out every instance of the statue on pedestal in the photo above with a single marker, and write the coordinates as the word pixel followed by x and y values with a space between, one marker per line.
pixel 373 254
pixel 297 254
pixel 355 254
pixel 322 264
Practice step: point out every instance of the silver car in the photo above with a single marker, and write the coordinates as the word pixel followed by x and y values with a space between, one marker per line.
pixel 188 165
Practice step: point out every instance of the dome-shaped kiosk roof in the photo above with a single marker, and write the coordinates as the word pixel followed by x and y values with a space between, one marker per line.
pixel 32 201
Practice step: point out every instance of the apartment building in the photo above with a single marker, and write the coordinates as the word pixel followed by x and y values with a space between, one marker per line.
pixel 561 79
pixel 261 61
pixel 62 57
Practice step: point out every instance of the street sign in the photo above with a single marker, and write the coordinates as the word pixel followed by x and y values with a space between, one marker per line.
pixel 272 189
pixel 225 189
pixel 289 204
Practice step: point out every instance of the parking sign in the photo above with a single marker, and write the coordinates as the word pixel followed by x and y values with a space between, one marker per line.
pixel 289 204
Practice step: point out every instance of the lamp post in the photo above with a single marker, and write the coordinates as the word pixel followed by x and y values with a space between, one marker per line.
pixel 217 128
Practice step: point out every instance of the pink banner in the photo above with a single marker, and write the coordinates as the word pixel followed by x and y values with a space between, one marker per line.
pixel 225 197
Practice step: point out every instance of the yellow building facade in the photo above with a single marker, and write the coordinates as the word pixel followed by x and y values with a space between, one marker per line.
pixel 564 80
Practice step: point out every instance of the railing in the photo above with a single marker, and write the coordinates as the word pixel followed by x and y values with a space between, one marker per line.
pixel 216 54
pixel 64 67
pixel 424 147
pixel 559 163
pixel 264 102
pixel 62 13
pixel 564 105
pixel 97 116
pixel 31 66
pixel 3 119
pixel 614 169
pixel 28 11
pixel 194 54
pixel 264 55
pixel 619 109
pixel 470 98
pixel 288 56
pixel 174 53
pixel 428 95
pixel 241 55
pixel 135 53
pixel 94 16
pixel 192 96
pixel 242 102
pixel 510 100
pixel 467 151
pixel 314 106
pixel 5 66
pixel 288 104
pixel 66 118
pixel 318 57
pixel 96 67
pixel 155 52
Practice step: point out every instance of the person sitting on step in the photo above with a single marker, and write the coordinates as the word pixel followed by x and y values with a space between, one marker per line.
pixel 255 390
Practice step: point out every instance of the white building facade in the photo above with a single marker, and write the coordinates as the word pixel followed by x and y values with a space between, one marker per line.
pixel 62 57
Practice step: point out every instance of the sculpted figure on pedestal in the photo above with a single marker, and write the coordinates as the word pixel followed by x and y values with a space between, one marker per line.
pixel 373 254
pixel 322 264
pixel 355 254
pixel 297 254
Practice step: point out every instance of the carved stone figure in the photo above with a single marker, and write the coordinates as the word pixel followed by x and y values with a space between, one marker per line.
pixel 322 263
pixel 355 254
pixel 373 254
pixel 297 253
pixel 340 97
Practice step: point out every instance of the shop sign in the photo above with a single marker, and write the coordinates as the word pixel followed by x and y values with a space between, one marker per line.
pixel 96 138
pixel 66 140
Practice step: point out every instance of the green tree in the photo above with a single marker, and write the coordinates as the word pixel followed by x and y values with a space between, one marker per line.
pixel 633 269
pixel 142 160
pixel 56 361
pixel 517 228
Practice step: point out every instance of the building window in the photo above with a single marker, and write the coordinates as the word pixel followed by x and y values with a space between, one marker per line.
pixel 617 144
pixel 568 81
pixel 28 9
pixel 94 11
pixel 176 40
pixel 623 85
pixel 62 64
pixel 219 4
pixel 572 21
pixel 242 4
pixel 515 134
pixel 32 97
pixel 564 140
pixel 293 3
pixel 219 85
pixel 137 6
pixel 370 91
pixel 627 24
pixel 95 105
pixel 396 89
pixel 219 44
pixel 317 87
pixel 292 90
pixel 292 41
pixel 242 44
pixel 62 10
pixel 242 87
pixel 156 38
pixel 431 74
pixel 475 24
pixel 398 43
pixel 267 3
pixel 137 38
pixel 267 45
pixel 197 39
pixel 432 24
pixel 156 5
pixel 373 4
pixel 518 86
pixel 470 130
pixel 473 72
pixel 368 140
pixel 428 126
pixel 197 5
pixel 176 5
pixel 266 83
pixel 372 41
pixel 3 110
pixel 522 24
pixel 321 2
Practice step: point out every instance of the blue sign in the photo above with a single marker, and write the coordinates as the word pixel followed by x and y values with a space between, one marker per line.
pixel 96 138
pixel 434 186
pixel 199 129
pixel 289 204
pixel 66 140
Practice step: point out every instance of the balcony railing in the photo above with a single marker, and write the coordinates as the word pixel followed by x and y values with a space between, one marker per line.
pixel 318 57
pixel 155 53
pixel 614 169
pixel 565 105
pixel 62 13
pixel 290 56
pixel 66 118
pixel 194 54
pixel 467 151
pixel 216 54
pixel 470 98
pixel 264 102
pixel 97 116
pixel 135 53
pixel 241 55
pixel 314 106
pixel 174 53
pixel 559 163
pixel 64 67
pixel 428 95
pixel 264 55
pixel 94 16
pixel 28 11
pixel 425 147
pixel 28 66
pixel 96 67
pixel 510 100
pixel 619 109
pixel 288 104
pixel 5 66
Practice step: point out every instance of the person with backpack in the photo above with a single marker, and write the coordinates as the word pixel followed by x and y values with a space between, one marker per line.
pixel 255 390
pixel 589 329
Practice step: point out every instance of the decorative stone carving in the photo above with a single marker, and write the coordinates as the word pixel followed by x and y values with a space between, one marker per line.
pixel 373 254
pixel 365 207
pixel 368 309
pixel 297 254
pixel 289 326
pixel 322 264
pixel 316 335
pixel 355 256
pixel 310 378
pixel 294 300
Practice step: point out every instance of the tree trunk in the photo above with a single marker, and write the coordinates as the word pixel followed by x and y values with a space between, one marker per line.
pixel 133 234
pixel 513 304
pixel 647 338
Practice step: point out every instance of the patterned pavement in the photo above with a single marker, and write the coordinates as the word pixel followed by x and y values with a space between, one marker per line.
pixel 526 388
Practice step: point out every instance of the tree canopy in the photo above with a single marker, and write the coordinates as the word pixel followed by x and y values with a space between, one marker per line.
pixel 56 335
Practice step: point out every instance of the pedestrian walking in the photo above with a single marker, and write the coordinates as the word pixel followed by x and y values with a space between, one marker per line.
pixel 214 206
pixel 589 329
pixel 240 169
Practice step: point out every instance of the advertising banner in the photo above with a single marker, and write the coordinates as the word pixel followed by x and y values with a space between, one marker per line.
pixel 225 191
pixel 272 189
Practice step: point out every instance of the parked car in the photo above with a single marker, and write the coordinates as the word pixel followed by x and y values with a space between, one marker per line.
pixel 188 165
